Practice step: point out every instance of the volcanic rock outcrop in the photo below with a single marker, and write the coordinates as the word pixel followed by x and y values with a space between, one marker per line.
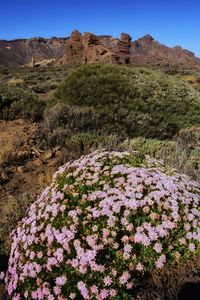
pixel 88 47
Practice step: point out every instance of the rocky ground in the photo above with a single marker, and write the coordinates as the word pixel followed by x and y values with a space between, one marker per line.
pixel 23 166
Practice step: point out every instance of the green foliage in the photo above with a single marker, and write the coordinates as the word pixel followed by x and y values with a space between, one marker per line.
pixel 79 131
pixel 75 129
pixel 18 103
pixel 132 101
pixel 62 121
pixel 182 153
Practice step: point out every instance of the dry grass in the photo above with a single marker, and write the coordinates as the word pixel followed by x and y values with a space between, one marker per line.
pixel 46 177
pixel 15 82
pixel 190 78
pixel 170 281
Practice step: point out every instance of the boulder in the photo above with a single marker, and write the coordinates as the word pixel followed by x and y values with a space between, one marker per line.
pixel 37 162
pixel 48 154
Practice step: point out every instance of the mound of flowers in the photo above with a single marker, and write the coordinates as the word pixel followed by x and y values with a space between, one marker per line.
pixel 106 220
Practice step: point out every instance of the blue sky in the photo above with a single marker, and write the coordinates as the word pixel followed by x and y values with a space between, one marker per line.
pixel 169 22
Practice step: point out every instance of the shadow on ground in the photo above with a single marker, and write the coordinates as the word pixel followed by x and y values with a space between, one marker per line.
pixel 190 291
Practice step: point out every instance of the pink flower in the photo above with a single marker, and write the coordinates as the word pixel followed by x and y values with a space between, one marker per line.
pixel 104 294
pixel 125 277
pixel 114 272
pixel 129 285
pixel 26 294
pixel 113 293
pixel 160 261
pixel 125 239
pixel 128 248
pixel 57 290
pixel 40 254
pixel 61 280
pixel 187 227
pixel 83 290
pixel 182 241
pixel 34 295
pixel 74 262
pixel 106 233
pixel 192 247
pixel 2 275
pixel 107 280
pixel 94 289
pixel 158 247
pixel 139 267
pixel 142 239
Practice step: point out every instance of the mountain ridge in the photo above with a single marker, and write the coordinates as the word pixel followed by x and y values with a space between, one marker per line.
pixel 88 47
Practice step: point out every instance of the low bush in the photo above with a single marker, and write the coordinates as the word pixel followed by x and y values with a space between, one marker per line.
pixel 62 121
pixel 182 153
pixel 105 221
pixel 16 82
pixel 18 103
pixel 132 101
pixel 79 130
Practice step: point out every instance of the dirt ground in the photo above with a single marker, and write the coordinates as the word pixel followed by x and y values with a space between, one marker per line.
pixel 24 167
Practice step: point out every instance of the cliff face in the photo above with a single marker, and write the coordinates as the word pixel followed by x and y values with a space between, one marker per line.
pixel 91 48
pixel 88 48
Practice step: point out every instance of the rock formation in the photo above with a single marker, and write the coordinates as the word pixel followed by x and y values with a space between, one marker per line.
pixel 88 47
pixel 33 62
pixel 75 36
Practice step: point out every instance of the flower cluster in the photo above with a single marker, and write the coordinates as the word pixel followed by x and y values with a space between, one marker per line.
pixel 105 220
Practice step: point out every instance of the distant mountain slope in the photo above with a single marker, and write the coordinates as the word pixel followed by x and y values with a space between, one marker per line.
pixel 146 50
pixel 20 52
pixel 88 47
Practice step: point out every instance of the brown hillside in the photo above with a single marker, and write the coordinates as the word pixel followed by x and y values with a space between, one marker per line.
pixel 87 47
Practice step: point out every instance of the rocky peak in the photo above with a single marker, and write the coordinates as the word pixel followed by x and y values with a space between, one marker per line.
pixel 75 36
pixel 148 38
pixel 90 39
pixel 126 38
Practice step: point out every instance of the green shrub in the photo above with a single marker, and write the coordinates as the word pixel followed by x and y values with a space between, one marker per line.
pixel 62 121
pixel 182 153
pixel 28 108
pixel 18 103
pixel 132 101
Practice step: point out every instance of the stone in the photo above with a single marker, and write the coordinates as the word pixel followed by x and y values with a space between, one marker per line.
pixel 22 154
pixel 21 169
pixel 37 162
pixel 48 154
pixel 3 176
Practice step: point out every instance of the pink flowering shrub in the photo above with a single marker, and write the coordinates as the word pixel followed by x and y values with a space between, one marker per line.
pixel 106 220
